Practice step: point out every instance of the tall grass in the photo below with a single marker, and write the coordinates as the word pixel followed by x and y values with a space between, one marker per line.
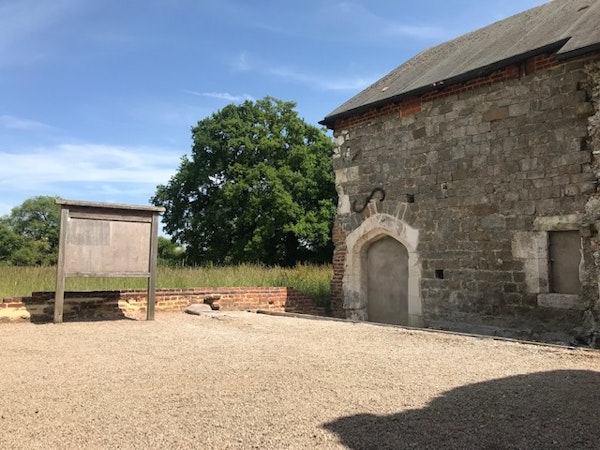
pixel 312 279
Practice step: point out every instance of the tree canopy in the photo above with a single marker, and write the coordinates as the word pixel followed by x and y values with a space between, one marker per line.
pixel 258 187
pixel 29 234
pixel 169 253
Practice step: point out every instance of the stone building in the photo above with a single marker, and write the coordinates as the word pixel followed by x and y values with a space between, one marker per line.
pixel 468 182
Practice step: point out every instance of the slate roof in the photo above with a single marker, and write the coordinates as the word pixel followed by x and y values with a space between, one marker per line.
pixel 569 27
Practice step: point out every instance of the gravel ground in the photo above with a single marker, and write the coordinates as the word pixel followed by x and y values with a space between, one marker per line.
pixel 243 380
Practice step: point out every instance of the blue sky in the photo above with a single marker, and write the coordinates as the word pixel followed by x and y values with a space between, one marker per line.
pixel 97 98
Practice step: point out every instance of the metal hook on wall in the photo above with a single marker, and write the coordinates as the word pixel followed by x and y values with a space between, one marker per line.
pixel 368 199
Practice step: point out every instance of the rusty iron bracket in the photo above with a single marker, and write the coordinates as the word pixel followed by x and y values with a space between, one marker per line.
pixel 368 199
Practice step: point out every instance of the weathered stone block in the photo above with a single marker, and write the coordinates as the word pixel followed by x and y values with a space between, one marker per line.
pixel 519 109
pixel 560 301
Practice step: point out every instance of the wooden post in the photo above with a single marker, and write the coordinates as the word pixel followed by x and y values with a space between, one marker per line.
pixel 152 267
pixel 59 294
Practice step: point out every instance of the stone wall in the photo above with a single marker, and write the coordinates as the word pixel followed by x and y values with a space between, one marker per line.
pixel 88 305
pixel 482 172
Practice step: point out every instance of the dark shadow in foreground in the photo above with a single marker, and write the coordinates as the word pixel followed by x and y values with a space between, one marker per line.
pixel 546 410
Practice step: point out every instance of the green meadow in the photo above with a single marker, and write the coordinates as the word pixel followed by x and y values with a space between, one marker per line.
pixel 314 280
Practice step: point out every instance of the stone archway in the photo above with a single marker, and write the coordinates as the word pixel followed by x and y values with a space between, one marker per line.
pixel 355 280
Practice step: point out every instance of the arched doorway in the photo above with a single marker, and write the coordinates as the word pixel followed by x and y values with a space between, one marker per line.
pixel 355 281
pixel 387 282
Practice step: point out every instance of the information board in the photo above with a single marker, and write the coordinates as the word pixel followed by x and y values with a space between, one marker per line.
pixel 106 240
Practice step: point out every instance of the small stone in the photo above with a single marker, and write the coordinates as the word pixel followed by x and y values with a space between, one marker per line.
pixel 198 308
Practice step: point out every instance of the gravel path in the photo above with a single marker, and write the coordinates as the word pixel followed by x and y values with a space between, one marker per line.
pixel 242 380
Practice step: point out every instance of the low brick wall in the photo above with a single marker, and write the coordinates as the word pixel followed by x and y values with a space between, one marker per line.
pixel 89 305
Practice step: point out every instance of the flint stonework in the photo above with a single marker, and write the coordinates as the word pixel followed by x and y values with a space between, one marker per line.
pixel 493 169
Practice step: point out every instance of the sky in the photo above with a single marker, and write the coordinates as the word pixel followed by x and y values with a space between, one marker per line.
pixel 98 98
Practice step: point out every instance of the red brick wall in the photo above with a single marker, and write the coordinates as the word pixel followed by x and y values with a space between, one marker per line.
pixel 339 261
pixel 413 105
pixel 132 303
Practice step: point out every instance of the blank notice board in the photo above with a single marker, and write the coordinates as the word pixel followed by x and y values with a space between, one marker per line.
pixel 106 240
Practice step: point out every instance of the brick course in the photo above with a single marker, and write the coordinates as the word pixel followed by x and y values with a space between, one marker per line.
pixel 39 307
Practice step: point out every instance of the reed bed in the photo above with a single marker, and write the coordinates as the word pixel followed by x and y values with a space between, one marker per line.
pixel 314 280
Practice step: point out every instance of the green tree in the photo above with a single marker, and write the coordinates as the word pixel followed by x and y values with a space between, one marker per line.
pixel 10 242
pixel 36 223
pixel 169 253
pixel 258 187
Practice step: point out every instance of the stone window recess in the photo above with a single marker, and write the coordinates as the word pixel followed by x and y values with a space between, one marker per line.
pixel 551 258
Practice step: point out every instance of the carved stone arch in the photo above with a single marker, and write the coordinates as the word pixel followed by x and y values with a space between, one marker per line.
pixel 355 277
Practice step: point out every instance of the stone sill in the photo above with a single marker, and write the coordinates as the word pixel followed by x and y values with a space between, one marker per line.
pixel 560 301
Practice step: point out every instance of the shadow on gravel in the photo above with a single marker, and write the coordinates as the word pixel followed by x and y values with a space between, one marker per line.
pixel 546 410
pixel 79 306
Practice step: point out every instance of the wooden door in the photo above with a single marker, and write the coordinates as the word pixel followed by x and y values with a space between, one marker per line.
pixel 387 279
pixel 564 248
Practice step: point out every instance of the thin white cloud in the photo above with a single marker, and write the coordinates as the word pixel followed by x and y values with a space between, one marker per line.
pixel 415 31
pixel 333 21
pixel 368 25
pixel 16 123
pixel 363 21
pixel 119 38
pixel 87 163
pixel 341 21
pixel 242 62
pixel 323 82
pixel 175 116
pixel 24 22
pixel 222 96
pixel 107 173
